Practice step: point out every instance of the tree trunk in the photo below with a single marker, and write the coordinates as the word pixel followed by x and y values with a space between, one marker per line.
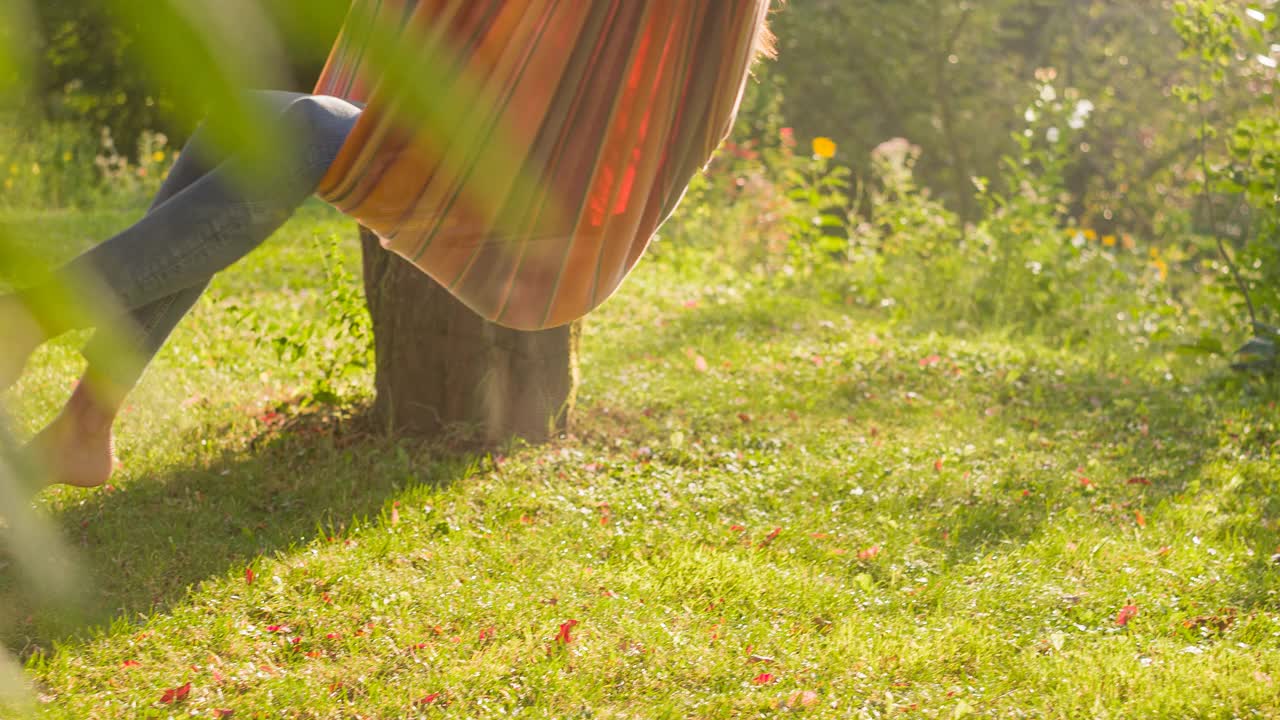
pixel 445 373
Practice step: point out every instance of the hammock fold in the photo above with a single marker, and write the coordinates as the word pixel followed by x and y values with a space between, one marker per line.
pixel 523 152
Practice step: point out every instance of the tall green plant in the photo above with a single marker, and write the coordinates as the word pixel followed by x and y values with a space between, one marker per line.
pixel 1238 162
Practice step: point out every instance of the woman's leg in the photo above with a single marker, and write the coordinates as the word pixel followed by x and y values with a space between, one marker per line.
pixel 159 267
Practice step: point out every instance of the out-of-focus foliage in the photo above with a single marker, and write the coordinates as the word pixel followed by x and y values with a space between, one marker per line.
pixel 885 242
pixel 952 78
pixel 91 57
pixel 1239 160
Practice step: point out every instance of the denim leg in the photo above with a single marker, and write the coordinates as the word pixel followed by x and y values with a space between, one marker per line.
pixel 149 326
pixel 202 222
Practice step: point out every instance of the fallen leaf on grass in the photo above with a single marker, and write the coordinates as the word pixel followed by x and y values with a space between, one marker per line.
pixel 768 540
pixel 564 637
pixel 1214 623
pixel 130 664
pixel 178 694
pixel 869 553
pixel 223 713
pixel 248 576
pixel 1126 614
pixel 431 699
pixel 760 659
pixel 763 679
pixel 1139 481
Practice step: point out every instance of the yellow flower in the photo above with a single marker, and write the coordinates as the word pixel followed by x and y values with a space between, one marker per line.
pixel 66 156
pixel 824 147
pixel 1091 235
pixel 157 157
pixel 1109 240
pixel 35 168
pixel 1163 268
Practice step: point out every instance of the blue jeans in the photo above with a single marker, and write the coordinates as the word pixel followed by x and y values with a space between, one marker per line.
pixel 202 221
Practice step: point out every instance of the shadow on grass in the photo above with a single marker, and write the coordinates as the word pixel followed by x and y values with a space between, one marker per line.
pixel 144 546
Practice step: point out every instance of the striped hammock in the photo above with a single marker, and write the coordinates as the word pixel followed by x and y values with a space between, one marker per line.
pixel 530 149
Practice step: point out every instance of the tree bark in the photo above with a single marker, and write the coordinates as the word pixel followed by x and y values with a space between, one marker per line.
pixel 445 373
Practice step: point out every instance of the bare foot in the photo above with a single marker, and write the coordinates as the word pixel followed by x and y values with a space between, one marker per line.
pixel 19 336
pixel 77 448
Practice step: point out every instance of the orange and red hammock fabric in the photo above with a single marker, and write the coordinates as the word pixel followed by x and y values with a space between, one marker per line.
pixel 564 133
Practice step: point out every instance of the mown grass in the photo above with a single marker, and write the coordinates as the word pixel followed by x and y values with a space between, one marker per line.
pixel 767 505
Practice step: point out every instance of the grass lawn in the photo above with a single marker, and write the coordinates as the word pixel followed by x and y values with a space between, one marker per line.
pixel 768 505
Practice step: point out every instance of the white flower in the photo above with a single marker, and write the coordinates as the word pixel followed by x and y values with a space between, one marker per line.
pixel 1053 135
pixel 1083 110
pixel 1048 94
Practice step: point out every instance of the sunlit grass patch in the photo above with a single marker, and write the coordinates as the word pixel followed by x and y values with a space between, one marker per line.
pixel 767 505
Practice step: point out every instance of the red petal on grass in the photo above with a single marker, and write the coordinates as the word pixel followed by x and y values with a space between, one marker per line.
pixel 937 465
pixel 1126 614
pixel 130 664
pixel 931 360
pixel 223 713
pixel 274 628
pixel 737 528
pixel 564 637
pixel 763 679
pixel 870 553
pixel 700 364
pixel 768 539
pixel 1139 481
pixel 248 576
pixel 431 699
pixel 488 633
pixel 333 636
pixel 395 516
pixel 177 694
pixel 1139 518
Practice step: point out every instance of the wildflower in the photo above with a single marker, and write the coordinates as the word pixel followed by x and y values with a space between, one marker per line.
pixel 1080 115
pixel 1109 240
pixel 1091 235
pixel 66 156
pixel 35 168
pixel 824 147
pixel 1162 268
pixel 157 157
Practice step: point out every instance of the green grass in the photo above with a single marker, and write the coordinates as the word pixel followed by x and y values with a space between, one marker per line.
pixel 888 524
